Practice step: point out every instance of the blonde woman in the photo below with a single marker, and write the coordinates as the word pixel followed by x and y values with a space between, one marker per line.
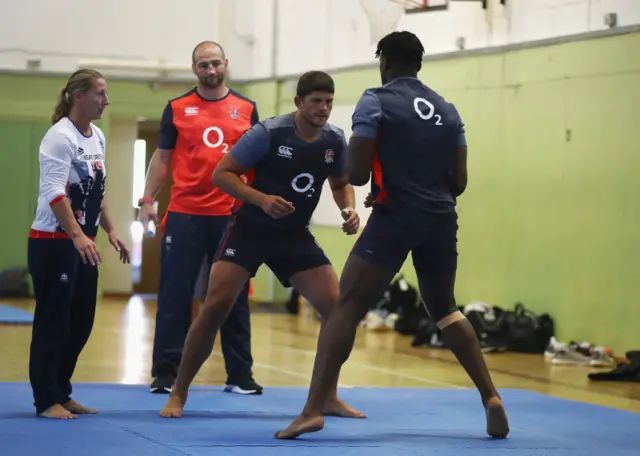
pixel 62 255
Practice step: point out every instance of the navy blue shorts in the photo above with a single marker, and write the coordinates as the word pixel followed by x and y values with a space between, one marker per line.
pixel 284 252
pixel 390 236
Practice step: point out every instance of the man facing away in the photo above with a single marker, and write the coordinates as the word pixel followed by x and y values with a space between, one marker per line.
pixel 412 142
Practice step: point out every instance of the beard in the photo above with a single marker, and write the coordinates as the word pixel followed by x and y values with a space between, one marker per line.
pixel 212 82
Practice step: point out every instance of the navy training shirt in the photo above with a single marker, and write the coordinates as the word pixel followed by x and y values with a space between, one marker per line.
pixel 418 133
pixel 285 165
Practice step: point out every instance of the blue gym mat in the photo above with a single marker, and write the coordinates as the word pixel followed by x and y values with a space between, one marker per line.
pixel 13 315
pixel 401 422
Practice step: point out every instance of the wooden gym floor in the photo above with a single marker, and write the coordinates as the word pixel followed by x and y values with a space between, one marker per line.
pixel 121 345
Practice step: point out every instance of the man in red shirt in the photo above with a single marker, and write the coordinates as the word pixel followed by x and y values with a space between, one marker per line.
pixel 197 129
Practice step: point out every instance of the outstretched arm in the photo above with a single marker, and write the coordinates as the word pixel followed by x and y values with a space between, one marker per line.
pixel 248 151
pixel 344 195
pixel 343 192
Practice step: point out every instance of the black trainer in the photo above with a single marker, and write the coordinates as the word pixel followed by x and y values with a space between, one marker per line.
pixel 162 384
pixel 246 386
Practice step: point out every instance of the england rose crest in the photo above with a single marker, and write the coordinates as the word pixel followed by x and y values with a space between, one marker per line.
pixel 328 156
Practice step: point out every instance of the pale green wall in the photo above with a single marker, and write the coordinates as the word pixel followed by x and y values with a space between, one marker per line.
pixel 547 221
pixel 529 231
pixel 26 103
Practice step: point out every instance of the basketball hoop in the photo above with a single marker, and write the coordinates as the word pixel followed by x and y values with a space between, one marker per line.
pixel 384 15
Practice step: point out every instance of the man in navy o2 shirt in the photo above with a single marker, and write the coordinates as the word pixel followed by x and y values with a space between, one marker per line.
pixel 411 141
pixel 286 160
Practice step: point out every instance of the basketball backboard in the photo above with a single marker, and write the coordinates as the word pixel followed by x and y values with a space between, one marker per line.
pixel 384 15
pixel 420 6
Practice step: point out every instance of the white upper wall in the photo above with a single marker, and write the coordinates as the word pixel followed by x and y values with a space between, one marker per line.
pixel 318 34
pixel 64 33
pixel 336 33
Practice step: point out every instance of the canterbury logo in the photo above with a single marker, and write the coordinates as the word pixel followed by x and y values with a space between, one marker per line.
pixel 284 151
pixel 191 111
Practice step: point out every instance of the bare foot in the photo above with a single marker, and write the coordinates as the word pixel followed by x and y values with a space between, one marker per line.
pixel 336 407
pixel 173 407
pixel 301 425
pixel 497 423
pixel 79 409
pixel 58 412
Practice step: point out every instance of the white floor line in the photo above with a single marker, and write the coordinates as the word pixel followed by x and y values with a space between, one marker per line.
pixel 388 371
pixel 285 371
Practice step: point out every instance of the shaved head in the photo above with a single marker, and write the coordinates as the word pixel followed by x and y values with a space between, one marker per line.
pixel 206 46
pixel 209 64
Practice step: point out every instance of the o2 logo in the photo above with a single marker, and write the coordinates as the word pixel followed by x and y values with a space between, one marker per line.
pixel 214 137
pixel 430 114
pixel 308 187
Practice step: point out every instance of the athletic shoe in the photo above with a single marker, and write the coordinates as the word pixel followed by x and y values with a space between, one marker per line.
pixel 162 384
pixel 570 355
pixel 553 347
pixel 247 386
pixel 601 356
